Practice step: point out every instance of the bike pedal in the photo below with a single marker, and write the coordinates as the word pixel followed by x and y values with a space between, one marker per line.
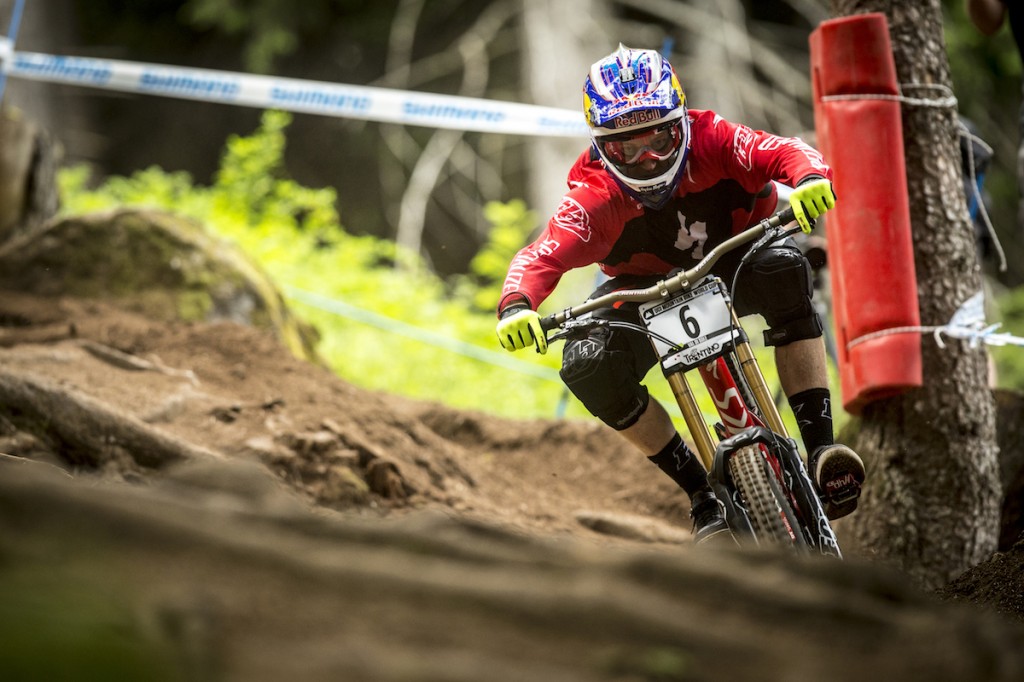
pixel 841 497
pixel 842 490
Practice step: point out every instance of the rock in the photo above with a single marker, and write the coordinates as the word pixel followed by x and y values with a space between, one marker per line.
pixel 163 266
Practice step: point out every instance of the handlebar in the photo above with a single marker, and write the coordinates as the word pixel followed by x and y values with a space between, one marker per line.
pixel 677 282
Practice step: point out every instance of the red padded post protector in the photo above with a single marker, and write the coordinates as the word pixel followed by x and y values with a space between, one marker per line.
pixel 870 252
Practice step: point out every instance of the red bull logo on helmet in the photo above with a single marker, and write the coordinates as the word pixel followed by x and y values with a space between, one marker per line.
pixel 638 118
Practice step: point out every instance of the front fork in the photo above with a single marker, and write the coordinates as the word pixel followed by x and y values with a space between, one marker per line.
pixel 731 408
pixel 736 418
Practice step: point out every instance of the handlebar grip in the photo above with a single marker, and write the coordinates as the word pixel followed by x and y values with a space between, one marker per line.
pixel 548 323
pixel 787 216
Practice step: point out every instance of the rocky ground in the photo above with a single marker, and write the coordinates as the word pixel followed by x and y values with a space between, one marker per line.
pixel 188 501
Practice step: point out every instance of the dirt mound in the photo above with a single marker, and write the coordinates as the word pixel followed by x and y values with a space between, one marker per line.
pixel 189 498
pixel 997 584
pixel 235 391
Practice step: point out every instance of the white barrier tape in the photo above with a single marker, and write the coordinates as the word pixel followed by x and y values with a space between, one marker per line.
pixel 6 54
pixel 303 96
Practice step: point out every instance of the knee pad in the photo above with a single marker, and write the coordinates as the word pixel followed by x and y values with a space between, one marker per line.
pixel 776 283
pixel 604 380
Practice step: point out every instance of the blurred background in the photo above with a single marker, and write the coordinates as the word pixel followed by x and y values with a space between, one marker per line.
pixel 746 59
pixel 428 189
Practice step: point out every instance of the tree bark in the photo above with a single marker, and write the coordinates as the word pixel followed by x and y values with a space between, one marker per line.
pixel 932 498
pixel 29 159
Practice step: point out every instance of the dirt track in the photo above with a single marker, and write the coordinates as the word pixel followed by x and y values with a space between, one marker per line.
pixel 234 513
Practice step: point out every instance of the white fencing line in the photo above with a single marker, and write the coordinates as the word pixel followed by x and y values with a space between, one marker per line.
pixel 297 95
pixel 425 336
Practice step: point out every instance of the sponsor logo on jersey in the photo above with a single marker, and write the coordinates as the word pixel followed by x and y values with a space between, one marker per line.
pixel 524 259
pixel 573 217
pixel 742 145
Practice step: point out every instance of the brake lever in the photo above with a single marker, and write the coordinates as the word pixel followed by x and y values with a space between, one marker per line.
pixel 576 328
pixel 770 235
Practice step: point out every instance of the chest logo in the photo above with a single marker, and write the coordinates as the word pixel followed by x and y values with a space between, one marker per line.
pixel 573 217
pixel 691 237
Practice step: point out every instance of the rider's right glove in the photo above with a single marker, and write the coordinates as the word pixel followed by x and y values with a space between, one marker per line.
pixel 520 327
pixel 810 199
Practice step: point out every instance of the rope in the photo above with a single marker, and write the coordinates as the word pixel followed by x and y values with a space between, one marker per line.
pixel 968 323
pixel 964 132
pixel 972 335
pixel 948 101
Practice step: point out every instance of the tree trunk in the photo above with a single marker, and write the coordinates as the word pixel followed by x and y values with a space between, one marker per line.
pixel 932 497
pixel 560 41
pixel 29 159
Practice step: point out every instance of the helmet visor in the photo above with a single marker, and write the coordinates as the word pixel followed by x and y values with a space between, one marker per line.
pixel 650 146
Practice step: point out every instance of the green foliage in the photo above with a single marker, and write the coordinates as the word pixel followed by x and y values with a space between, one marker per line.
pixel 400 329
pixel 511 225
pixel 986 72
pixel 295 234
pixel 269 28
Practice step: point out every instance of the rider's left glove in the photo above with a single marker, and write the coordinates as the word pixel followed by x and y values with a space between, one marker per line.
pixel 811 199
pixel 520 327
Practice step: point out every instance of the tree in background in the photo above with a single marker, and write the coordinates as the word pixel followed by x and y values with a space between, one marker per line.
pixel 932 497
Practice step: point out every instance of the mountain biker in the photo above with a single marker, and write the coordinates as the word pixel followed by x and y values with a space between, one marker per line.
pixel 659 187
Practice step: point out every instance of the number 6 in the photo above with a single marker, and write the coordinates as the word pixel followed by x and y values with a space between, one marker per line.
pixel 690 325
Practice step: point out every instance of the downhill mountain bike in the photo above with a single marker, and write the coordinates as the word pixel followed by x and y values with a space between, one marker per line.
pixel 755 468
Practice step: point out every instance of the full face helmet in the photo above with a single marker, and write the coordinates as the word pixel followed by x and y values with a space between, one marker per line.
pixel 636 111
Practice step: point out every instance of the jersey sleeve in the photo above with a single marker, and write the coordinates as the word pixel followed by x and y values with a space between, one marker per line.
pixel 580 233
pixel 755 157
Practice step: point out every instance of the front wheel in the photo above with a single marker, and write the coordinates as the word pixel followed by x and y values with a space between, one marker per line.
pixel 770 512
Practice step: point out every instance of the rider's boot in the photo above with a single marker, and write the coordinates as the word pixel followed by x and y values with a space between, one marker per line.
pixel 709 526
pixel 837 472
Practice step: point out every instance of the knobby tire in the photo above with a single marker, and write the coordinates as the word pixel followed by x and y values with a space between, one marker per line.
pixel 770 512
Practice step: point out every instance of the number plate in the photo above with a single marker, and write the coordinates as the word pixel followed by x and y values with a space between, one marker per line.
pixel 697 320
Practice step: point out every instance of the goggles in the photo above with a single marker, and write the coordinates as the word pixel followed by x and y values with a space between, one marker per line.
pixel 629 149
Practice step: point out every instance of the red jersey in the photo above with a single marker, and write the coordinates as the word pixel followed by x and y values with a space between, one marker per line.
pixel 598 222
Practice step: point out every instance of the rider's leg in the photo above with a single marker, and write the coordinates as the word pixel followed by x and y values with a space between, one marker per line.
pixel 778 285
pixel 801 365
pixel 652 431
pixel 655 436
pixel 677 460
pixel 803 373
pixel 604 371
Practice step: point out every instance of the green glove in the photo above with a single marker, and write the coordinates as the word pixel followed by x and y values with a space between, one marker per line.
pixel 811 199
pixel 519 328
